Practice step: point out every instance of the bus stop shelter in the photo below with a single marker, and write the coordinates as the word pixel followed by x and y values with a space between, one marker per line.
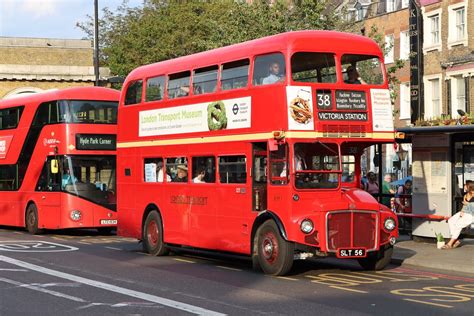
pixel 443 160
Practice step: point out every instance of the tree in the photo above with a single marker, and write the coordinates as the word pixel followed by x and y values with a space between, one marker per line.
pixel 162 30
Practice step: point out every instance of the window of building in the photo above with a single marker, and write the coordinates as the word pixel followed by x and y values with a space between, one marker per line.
pixel 458 94
pixel 204 169
pixel 432 30
pixel 9 118
pixel 177 168
pixel 178 84
pixel 404 45
pixel 405 101
pixel 269 69
pixel 313 67
pixel 205 80
pixel 235 74
pixel 155 88
pixel 389 48
pixel 435 98
pixel 405 3
pixel 457 24
pixel 134 92
pixel 232 169
pixel 390 5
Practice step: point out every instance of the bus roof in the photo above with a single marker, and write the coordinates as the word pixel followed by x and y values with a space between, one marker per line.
pixel 79 93
pixel 319 41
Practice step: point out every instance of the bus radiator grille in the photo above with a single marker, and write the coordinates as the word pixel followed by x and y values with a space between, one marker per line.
pixel 351 229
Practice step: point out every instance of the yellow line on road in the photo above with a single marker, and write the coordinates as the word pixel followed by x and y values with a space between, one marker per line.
pixel 428 303
pixel 229 268
pixel 184 260
pixel 346 289
pixel 287 278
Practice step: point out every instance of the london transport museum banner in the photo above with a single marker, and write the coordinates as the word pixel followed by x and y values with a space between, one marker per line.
pixel 236 113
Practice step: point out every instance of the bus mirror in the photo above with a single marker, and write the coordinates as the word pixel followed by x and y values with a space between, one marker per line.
pixel 54 166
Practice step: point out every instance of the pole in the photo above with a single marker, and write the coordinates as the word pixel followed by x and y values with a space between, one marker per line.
pixel 96 41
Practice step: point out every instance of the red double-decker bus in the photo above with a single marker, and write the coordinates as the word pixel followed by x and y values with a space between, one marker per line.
pixel 256 149
pixel 58 159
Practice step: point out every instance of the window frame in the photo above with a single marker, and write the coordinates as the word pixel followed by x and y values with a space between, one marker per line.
pixel 165 88
pixel 19 112
pixel 129 85
pixel 221 72
pixel 336 68
pixel 218 174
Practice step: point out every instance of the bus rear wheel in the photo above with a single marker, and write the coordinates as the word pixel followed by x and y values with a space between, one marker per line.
pixel 377 260
pixel 275 255
pixel 153 235
pixel 31 220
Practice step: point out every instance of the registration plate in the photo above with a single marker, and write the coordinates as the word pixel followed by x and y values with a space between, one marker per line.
pixel 351 253
pixel 108 222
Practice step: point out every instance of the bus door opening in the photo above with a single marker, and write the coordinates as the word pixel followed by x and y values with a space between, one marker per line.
pixel 49 188
pixel 259 177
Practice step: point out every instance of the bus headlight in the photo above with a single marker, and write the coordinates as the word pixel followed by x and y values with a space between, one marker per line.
pixel 306 226
pixel 76 215
pixel 389 224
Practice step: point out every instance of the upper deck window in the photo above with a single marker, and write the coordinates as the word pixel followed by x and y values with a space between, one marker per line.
pixel 9 118
pixel 235 74
pixel 178 84
pixel 155 88
pixel 313 67
pixel 90 112
pixel 362 69
pixel 269 69
pixel 134 93
pixel 205 80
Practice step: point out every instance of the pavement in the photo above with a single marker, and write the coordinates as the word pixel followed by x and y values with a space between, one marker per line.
pixel 426 255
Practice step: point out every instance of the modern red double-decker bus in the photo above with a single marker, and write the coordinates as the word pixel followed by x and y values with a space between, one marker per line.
pixel 58 159
pixel 256 149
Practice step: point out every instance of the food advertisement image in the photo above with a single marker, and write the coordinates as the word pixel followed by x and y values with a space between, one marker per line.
pixel 300 108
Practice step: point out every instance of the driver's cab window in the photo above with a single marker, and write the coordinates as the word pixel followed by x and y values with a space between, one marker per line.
pixel 47 180
pixel 316 165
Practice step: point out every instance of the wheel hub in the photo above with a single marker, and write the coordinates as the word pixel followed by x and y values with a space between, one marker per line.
pixel 153 233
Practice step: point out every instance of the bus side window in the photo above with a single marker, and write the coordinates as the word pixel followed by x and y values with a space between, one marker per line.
pixel 178 84
pixel 154 172
pixel 9 118
pixel 155 88
pixel 204 169
pixel 205 80
pixel 177 168
pixel 269 69
pixel 134 92
pixel 235 74
pixel 232 169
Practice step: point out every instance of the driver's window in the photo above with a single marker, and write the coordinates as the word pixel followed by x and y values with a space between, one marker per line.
pixel 48 181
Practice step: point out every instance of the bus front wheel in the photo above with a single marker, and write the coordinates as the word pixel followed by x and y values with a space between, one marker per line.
pixel 275 255
pixel 31 219
pixel 377 260
pixel 153 235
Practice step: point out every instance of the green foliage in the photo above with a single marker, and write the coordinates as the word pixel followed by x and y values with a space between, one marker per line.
pixel 162 30
pixel 439 237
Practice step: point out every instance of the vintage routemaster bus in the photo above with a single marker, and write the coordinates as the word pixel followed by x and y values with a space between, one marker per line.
pixel 256 149
pixel 58 158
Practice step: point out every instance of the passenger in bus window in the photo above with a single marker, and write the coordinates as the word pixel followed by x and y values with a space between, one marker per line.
pixel 199 178
pixel 274 74
pixel 68 178
pixel 160 172
pixel 182 175
pixel 353 76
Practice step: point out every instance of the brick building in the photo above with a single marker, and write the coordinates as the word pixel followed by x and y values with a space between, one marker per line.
pixel 448 48
pixel 36 64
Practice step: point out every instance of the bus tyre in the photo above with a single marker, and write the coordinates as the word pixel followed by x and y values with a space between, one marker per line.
pixel 377 260
pixel 153 235
pixel 31 220
pixel 275 255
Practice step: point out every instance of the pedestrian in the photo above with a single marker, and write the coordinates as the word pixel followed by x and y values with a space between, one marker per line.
pixel 386 189
pixel 462 219
pixel 371 186
pixel 402 201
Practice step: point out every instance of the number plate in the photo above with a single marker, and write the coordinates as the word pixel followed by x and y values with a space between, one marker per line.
pixel 108 222
pixel 351 253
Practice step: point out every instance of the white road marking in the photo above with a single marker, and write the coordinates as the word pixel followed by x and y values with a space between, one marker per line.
pixel 14 270
pixel 112 288
pixel 40 289
pixel 34 246
pixel 113 248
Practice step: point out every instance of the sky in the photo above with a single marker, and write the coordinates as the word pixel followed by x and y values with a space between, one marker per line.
pixel 50 18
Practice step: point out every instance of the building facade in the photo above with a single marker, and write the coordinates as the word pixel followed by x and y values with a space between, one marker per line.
pixel 35 64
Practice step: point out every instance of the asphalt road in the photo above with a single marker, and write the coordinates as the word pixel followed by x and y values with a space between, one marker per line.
pixel 83 273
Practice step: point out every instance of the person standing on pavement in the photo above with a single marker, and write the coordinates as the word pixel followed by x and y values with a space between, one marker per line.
pixel 386 189
pixel 371 186
pixel 462 219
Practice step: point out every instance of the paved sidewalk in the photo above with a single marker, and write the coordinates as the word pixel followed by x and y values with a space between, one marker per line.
pixel 424 254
